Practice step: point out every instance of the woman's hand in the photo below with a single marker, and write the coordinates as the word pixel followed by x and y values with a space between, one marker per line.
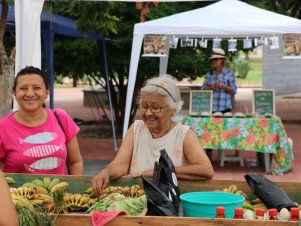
pixel 100 181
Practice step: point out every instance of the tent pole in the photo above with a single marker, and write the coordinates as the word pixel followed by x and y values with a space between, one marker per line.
pixel 164 60
pixel 135 55
pixel 103 52
pixel 48 37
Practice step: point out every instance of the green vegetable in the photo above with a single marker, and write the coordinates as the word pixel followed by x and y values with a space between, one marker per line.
pixel 118 202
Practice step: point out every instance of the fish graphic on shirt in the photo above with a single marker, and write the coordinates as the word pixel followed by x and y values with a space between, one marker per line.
pixel 42 150
pixel 46 164
pixel 39 138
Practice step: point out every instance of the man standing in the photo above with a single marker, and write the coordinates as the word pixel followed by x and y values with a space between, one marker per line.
pixel 221 80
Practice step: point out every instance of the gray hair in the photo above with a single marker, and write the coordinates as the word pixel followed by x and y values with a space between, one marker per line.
pixel 166 86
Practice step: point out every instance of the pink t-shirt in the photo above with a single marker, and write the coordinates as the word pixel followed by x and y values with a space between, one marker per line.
pixel 39 149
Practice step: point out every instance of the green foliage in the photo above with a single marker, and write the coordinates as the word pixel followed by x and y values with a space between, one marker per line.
pixel 243 67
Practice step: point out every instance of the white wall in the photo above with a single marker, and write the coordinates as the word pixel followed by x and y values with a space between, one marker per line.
pixel 282 75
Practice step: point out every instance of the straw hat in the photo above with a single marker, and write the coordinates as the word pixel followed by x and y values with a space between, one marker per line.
pixel 220 53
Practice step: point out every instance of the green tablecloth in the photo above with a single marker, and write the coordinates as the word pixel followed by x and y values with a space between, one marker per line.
pixel 250 134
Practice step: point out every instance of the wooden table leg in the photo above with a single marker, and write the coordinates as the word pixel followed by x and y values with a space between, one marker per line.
pixel 267 162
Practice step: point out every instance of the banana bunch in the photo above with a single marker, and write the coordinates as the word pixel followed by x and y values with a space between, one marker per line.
pixel 234 190
pixel 29 196
pixel 48 184
pixel 133 191
pixel 21 201
pixel 258 204
pixel 76 202
pixel 23 191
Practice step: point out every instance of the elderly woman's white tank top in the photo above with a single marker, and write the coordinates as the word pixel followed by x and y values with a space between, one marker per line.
pixel 147 150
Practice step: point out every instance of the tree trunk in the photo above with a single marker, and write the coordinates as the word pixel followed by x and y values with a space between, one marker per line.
pixel 6 84
pixel 7 64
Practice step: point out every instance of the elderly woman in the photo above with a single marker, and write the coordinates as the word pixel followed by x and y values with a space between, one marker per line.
pixel 159 101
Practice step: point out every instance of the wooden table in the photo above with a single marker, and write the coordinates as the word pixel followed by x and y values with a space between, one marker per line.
pixel 79 183
pixel 265 135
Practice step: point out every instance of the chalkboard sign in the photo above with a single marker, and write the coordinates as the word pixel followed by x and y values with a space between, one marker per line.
pixel 264 102
pixel 200 101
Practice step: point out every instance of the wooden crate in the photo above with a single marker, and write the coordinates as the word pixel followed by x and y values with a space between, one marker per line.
pixel 79 183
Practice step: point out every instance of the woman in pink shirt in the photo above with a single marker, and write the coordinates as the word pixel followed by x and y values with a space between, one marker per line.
pixel 35 139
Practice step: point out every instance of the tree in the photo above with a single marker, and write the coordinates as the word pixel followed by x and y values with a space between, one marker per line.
pixel 7 62
pixel 184 62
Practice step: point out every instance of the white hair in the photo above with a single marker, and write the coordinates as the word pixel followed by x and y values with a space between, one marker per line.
pixel 164 85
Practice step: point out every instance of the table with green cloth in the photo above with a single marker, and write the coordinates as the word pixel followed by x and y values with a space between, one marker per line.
pixel 265 135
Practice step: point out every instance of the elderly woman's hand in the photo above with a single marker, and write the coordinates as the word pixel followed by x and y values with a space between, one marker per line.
pixel 100 181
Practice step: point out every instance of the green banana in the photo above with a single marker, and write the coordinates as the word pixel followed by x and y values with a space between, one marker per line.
pixel 10 180
pixel 46 182
pixel 38 182
pixel 248 206
pixel 54 182
pixel 29 185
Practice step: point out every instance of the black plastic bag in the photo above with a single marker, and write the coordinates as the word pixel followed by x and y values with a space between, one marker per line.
pixel 165 178
pixel 158 204
pixel 163 193
pixel 268 192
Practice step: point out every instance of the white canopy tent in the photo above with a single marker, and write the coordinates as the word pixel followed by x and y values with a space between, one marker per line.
pixel 224 19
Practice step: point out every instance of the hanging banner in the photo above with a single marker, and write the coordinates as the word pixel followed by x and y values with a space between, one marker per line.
pixel 154 45
pixel 292 46
pixel 187 42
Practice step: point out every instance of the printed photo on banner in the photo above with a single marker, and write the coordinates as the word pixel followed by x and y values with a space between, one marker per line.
pixel 292 46
pixel 154 45
pixel 203 43
pixel 187 42
pixel 247 43
pixel 232 45
pixel 173 42
pixel 216 44
pixel 274 42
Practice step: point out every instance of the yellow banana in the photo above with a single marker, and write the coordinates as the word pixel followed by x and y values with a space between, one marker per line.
pixel 14 191
pixel 77 198
pixel 36 201
pixel 41 190
pixel 59 187
pixel 83 200
pixel 89 190
pixel 45 198
pixel 233 188
pixel 21 191
pixel 54 182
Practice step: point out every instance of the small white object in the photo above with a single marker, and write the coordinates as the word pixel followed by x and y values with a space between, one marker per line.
pixel 284 214
pixel 249 214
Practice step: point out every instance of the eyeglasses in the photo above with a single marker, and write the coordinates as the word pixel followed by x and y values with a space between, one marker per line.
pixel 215 59
pixel 153 108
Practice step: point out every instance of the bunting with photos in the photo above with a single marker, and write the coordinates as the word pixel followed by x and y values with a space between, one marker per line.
pixel 154 45
pixel 232 45
pixel 187 42
pixel 292 46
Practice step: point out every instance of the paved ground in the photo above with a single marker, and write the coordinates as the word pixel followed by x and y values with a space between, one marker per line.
pixel 98 152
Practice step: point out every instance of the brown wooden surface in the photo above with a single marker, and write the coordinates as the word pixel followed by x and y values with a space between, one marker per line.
pixel 79 183
pixel 80 220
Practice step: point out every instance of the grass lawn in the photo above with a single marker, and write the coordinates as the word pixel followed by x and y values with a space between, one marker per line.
pixel 254 76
